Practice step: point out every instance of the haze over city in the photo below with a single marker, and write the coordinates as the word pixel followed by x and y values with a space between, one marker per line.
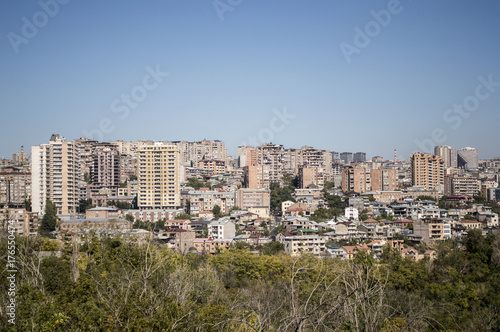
pixel 356 76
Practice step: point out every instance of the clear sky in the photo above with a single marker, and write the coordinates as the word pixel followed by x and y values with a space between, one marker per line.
pixel 354 76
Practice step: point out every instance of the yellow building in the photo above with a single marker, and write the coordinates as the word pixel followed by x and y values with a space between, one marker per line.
pixel 427 170
pixel 158 177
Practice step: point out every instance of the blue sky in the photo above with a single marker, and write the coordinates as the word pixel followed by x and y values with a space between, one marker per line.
pixel 227 78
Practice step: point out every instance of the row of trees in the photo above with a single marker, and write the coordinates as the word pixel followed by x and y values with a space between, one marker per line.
pixel 116 285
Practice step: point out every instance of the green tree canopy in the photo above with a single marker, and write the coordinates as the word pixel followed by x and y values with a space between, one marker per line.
pixel 49 219
pixel 217 211
pixel 280 195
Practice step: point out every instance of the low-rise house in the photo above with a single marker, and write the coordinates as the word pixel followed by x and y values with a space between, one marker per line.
pixel 337 252
pixel 297 210
pixel 206 215
pixel 261 211
pixel 352 250
pixel 432 229
pixel 95 224
pixel 154 215
pixel 222 228
pixel 297 244
pixel 179 239
pixel 101 212
pixel 490 218
pixel 346 228
pixel 178 224
pixel 248 216
pixel 368 231
pixel 459 200
pixel 351 213
pixel 403 223
pixel 376 248
pixel 410 253
pixel 252 239
pixel 292 223
pixel 211 246
pixel 285 205
pixel 472 224
pixel 431 254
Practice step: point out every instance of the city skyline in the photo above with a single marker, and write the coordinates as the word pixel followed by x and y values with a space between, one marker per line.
pixel 234 154
pixel 370 76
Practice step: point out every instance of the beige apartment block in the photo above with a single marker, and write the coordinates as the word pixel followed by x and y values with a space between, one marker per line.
pixel 15 185
pixel 270 156
pixel 362 179
pixel 253 176
pixel 461 185
pixel 86 148
pixel 311 176
pixel 310 157
pixel 427 170
pixel 25 223
pixel 432 230
pixel 158 174
pixel 253 198
pixel 384 179
pixel 55 175
pixel 214 166
pixel 191 153
pixel 205 200
pixel 247 156
pixel 105 170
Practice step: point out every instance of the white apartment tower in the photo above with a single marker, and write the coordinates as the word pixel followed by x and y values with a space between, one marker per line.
pixel 55 174
pixel 158 174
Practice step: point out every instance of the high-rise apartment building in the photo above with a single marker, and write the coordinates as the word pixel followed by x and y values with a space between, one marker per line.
pixel 445 151
pixel 357 179
pixel 247 156
pixel 359 157
pixel 467 158
pixel 105 169
pixel 158 173
pixel 361 179
pixel 346 157
pixel 310 157
pixel 270 156
pixel 384 179
pixel 55 175
pixel 291 161
pixel 311 176
pixel 15 185
pixel 253 176
pixel 191 153
pixel 86 149
pixel 427 170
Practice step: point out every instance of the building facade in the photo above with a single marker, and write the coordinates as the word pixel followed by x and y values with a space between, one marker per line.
pixel 427 170
pixel 461 185
pixel 55 175
pixel 105 170
pixel 205 200
pixel 15 185
pixel 158 175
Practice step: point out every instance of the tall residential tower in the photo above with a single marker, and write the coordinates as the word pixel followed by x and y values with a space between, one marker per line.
pixel 158 174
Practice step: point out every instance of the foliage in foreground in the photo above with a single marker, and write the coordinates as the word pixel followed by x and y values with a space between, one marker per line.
pixel 126 287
